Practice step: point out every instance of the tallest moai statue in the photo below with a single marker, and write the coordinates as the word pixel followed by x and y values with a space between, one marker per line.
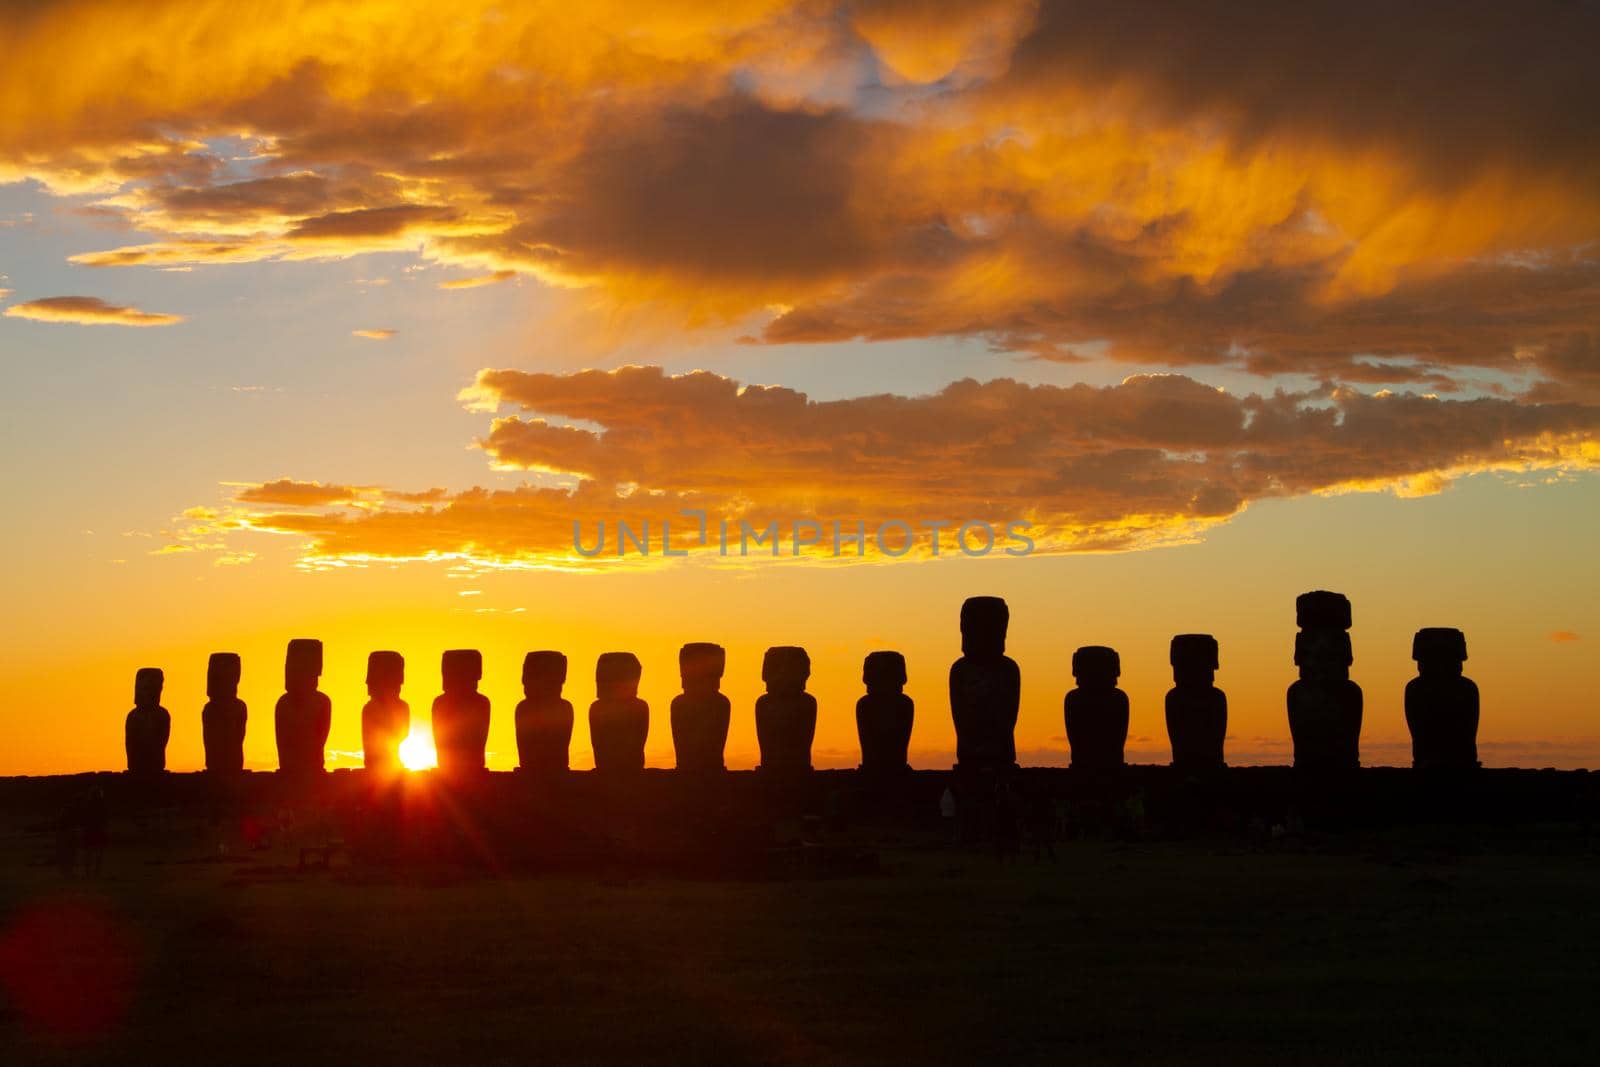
pixel 1324 705
pixel 985 688
pixel 303 715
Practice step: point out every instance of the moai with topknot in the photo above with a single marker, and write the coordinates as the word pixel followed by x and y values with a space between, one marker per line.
pixel 303 715
pixel 385 718
pixel 985 688
pixel 145 731
pixel 461 713
pixel 1441 704
pixel 222 720
pixel 1324 705
pixel 1096 711
pixel 701 712
pixel 619 722
pixel 885 714
pixel 1197 711
pixel 786 715
pixel 543 718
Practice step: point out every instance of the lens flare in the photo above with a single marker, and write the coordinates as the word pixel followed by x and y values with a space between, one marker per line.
pixel 417 752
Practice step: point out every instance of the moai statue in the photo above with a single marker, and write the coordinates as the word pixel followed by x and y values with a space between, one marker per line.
pixel 461 713
pixel 1441 705
pixel 148 725
pixel 222 720
pixel 385 718
pixel 884 715
pixel 1324 705
pixel 619 721
pixel 786 715
pixel 1197 711
pixel 700 713
pixel 544 719
pixel 1096 710
pixel 985 688
pixel 303 715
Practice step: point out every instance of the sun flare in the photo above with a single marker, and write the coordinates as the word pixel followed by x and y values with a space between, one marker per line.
pixel 417 751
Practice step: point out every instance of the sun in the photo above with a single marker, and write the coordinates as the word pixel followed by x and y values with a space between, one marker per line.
pixel 417 752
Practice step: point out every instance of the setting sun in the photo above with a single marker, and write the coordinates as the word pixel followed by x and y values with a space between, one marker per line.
pixel 417 752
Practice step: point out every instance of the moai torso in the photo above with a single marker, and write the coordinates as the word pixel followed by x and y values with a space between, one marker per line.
pixel 1441 704
pixel 148 725
pixel 786 715
pixel 1325 706
pixel 700 714
pixel 985 688
pixel 1096 712
pixel 884 715
pixel 223 719
pixel 1197 711
pixel 303 715
pixel 461 714
pixel 385 718
pixel 543 718
pixel 619 722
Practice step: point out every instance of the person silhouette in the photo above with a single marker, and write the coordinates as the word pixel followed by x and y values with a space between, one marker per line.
pixel 303 715
pixel 461 714
pixel 619 722
pixel 985 688
pixel 543 718
pixel 1096 711
pixel 385 718
pixel 223 719
pixel 786 715
pixel 1441 704
pixel 1197 711
pixel 148 725
pixel 1325 706
pixel 885 714
pixel 701 712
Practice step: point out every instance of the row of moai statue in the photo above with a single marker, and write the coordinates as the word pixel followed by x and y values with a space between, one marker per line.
pixel 1324 706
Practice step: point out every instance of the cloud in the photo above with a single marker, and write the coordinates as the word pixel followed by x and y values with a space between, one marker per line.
pixel 1562 637
pixel 1153 460
pixel 479 280
pixel 88 311
pixel 375 335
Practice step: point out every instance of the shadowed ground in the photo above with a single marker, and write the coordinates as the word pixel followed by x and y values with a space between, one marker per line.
pixel 1430 945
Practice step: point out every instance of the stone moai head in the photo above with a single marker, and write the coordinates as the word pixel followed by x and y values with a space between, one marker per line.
pixel 543 674
pixel 785 669
pixel 884 672
pixel 1096 667
pixel 302 666
pixel 617 674
pixel 1323 653
pixel 983 626
pixel 1439 650
pixel 1321 609
pixel 147 683
pixel 386 673
pixel 222 675
pixel 700 664
pixel 1194 659
pixel 461 667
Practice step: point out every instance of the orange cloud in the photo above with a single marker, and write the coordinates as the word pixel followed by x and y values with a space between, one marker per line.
pixel 375 335
pixel 1562 637
pixel 87 311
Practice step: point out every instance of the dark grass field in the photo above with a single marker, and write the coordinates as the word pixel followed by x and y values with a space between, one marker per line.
pixel 1418 946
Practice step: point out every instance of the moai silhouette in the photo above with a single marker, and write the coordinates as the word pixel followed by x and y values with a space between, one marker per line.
pixel 303 714
pixel 385 718
pixel 222 720
pixel 885 714
pixel 985 688
pixel 543 719
pixel 786 715
pixel 148 725
pixel 1441 704
pixel 700 713
pixel 461 713
pixel 1096 711
pixel 1324 705
pixel 1197 711
pixel 619 722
